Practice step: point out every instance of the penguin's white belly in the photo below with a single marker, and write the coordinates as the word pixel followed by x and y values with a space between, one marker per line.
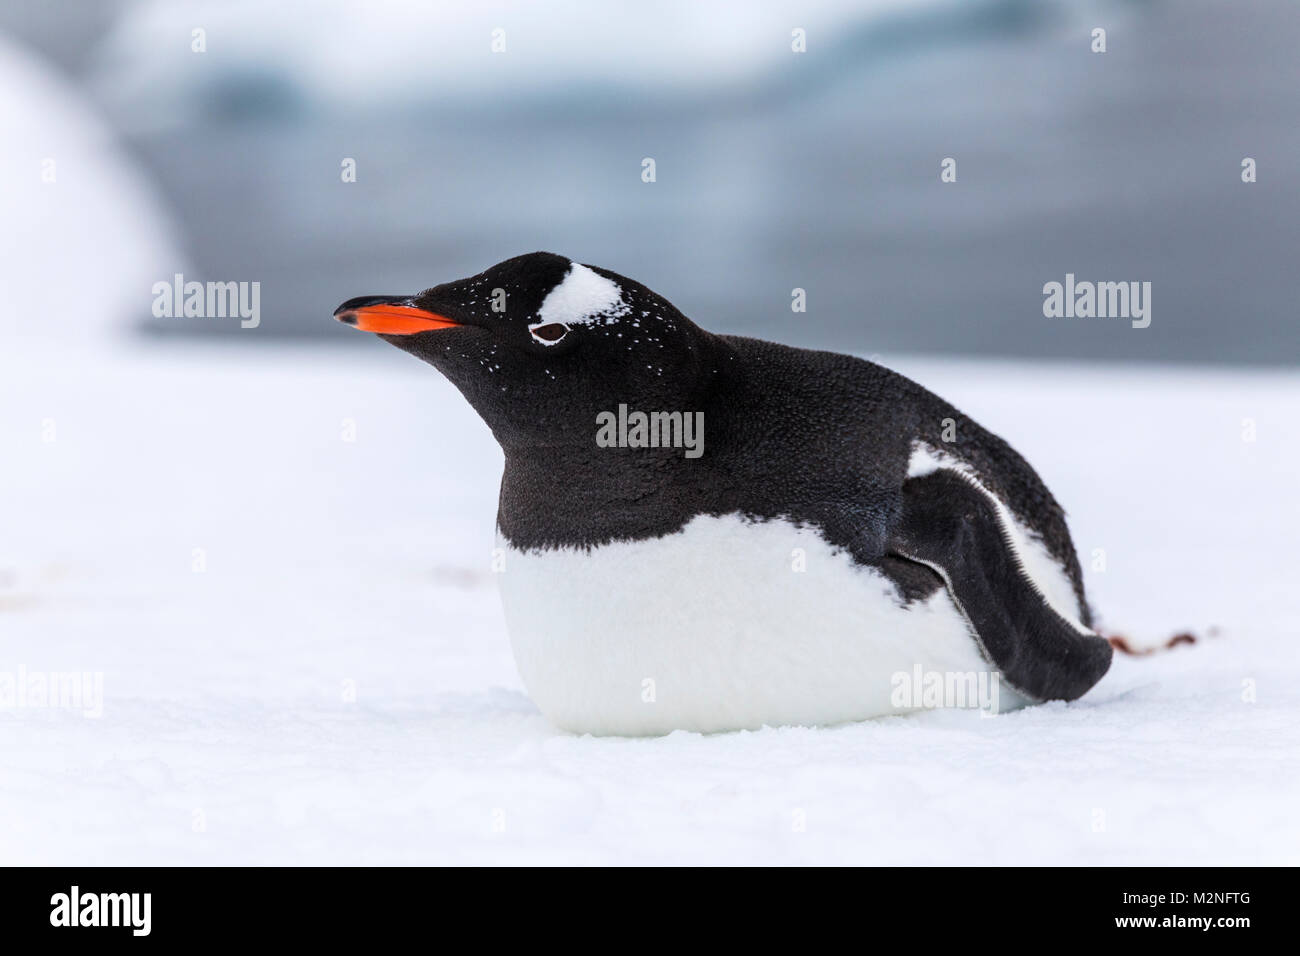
pixel 717 628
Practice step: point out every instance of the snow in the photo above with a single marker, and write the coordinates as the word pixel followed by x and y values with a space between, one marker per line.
pixel 75 248
pixel 229 735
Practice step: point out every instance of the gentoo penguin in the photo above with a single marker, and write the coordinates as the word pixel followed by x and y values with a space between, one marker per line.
pixel 708 532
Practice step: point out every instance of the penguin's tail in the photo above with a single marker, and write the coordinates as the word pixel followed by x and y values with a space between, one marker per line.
pixel 1126 646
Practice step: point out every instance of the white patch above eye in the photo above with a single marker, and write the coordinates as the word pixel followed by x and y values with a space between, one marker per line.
pixel 582 297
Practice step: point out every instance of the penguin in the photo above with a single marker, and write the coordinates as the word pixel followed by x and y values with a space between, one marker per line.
pixel 829 536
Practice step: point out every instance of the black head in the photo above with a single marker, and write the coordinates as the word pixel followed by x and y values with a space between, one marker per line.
pixel 540 345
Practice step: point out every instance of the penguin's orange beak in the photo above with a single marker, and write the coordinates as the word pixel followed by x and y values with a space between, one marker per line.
pixel 390 315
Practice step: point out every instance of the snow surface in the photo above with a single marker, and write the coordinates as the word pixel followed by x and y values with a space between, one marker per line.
pixel 226 735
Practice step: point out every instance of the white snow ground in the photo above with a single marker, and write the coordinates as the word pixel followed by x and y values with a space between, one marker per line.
pixel 226 736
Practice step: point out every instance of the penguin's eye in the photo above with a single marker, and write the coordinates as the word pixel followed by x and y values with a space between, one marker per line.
pixel 550 333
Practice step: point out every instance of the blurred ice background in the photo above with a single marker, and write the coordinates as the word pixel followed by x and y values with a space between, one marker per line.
pixel 775 170
pixel 278 556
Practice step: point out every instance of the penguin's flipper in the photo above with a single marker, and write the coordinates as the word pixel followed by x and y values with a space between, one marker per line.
pixel 950 524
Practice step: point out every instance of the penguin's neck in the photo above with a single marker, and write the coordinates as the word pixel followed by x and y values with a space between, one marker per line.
pixel 584 497
pixel 596 491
